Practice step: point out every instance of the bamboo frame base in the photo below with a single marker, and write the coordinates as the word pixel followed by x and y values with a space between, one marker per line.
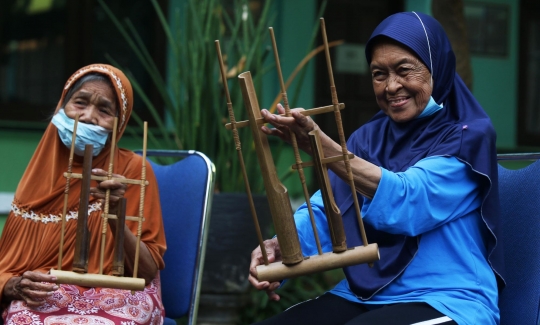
pixel 319 263
pixel 98 280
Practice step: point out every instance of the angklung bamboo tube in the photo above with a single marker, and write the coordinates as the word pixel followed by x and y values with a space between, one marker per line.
pixel 318 263
pixel 82 239
pixel 118 255
pixel 333 215
pixel 278 197
pixel 98 280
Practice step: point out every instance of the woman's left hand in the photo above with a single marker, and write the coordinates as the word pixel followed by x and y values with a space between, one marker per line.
pixel 117 189
pixel 297 123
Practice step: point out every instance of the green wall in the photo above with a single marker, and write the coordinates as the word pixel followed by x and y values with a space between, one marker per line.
pixel 293 27
pixel 494 76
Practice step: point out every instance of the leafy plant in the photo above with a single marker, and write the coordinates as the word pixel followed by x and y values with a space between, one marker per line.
pixel 194 104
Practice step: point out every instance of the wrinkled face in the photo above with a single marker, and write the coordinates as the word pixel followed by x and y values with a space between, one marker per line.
pixel 402 83
pixel 95 102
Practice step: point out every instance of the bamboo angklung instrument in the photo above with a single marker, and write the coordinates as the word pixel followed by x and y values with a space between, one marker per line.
pixel 293 263
pixel 79 276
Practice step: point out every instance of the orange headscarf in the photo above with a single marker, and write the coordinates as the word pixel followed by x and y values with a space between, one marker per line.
pixel 31 236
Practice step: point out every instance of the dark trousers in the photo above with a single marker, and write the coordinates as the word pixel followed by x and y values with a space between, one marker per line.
pixel 330 309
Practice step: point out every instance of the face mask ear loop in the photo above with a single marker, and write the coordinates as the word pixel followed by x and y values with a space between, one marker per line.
pixel 429 47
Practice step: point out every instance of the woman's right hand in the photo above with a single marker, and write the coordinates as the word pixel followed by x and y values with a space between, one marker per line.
pixel 274 254
pixel 32 287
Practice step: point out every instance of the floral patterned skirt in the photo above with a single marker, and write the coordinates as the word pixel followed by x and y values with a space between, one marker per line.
pixel 72 304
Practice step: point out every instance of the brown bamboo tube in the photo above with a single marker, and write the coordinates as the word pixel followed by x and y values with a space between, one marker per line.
pixel 82 239
pixel 318 263
pixel 307 112
pixel 342 141
pixel 294 143
pixel 276 192
pixel 324 161
pixel 105 178
pixel 238 146
pixel 141 202
pixel 98 280
pixel 118 257
pixel 333 215
pixel 107 196
pixel 66 192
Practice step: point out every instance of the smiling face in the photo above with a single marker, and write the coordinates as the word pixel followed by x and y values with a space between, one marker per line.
pixel 401 82
pixel 95 102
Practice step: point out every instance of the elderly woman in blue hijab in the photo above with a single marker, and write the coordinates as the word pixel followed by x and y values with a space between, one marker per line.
pixel 426 175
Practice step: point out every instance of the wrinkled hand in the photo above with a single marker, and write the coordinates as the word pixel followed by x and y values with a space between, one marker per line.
pixel 117 189
pixel 274 254
pixel 297 123
pixel 32 287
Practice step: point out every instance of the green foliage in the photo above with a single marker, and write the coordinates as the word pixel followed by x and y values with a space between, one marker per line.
pixel 195 108
pixel 292 292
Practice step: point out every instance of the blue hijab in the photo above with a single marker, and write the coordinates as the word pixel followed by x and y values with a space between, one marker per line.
pixel 461 129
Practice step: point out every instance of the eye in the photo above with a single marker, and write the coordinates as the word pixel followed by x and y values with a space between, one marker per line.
pixel 403 70
pixel 378 75
pixel 105 110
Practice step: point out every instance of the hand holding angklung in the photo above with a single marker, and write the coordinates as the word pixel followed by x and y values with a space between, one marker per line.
pixel 32 287
pixel 274 255
pixel 297 123
pixel 117 189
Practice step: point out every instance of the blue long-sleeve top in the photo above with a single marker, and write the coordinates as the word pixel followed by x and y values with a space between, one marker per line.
pixel 438 198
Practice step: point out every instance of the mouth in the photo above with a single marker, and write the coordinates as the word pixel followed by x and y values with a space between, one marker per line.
pixel 398 101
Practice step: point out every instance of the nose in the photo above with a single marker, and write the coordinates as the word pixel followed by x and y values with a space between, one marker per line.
pixel 89 115
pixel 393 83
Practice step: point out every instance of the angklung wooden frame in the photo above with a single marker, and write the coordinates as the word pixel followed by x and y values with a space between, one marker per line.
pixel 79 275
pixel 293 262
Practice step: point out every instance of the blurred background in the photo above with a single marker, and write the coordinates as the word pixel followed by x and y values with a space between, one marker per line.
pixel 166 47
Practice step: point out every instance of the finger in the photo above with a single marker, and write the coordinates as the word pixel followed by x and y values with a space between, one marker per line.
pixel 111 185
pixel 280 108
pixel 273 296
pixel 259 285
pixel 27 285
pixel 38 277
pixel 99 172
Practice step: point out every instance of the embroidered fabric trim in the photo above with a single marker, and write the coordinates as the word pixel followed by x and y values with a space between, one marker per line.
pixel 116 79
pixel 46 218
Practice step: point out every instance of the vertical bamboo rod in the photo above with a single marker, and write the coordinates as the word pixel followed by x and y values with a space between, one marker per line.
pixel 82 240
pixel 107 197
pixel 238 146
pixel 141 203
pixel 342 141
pixel 66 192
pixel 294 143
pixel 119 238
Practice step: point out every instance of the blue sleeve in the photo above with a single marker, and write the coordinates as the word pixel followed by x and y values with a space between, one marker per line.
pixel 305 231
pixel 434 191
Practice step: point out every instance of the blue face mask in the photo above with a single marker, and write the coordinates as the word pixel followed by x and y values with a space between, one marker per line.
pixel 86 133
pixel 431 108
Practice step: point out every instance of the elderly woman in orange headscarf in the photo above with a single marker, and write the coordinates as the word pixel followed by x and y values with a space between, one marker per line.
pixel 29 246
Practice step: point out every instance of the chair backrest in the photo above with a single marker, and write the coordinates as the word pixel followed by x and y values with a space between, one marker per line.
pixel 186 190
pixel 519 192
